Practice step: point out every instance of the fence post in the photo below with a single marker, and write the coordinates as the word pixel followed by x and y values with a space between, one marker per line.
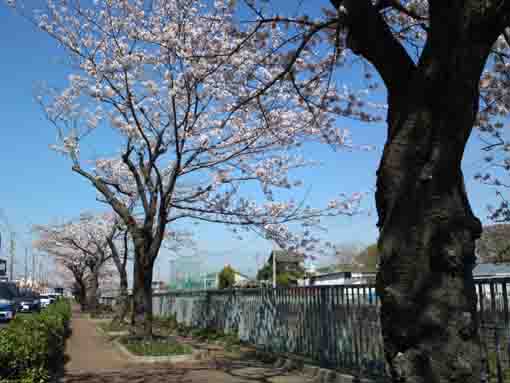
pixel 485 373
pixel 498 356
pixel 207 309
pixel 323 323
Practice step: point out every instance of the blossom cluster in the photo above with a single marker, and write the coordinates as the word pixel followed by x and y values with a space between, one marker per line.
pixel 201 105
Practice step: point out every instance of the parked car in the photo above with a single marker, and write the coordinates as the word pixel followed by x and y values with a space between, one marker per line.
pixel 46 300
pixel 7 309
pixel 9 295
pixel 30 304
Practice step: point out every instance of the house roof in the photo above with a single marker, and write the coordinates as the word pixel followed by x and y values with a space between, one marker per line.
pixel 284 256
pixel 369 267
pixel 211 275
pixel 214 275
pixel 241 274
pixel 358 268
pixel 491 269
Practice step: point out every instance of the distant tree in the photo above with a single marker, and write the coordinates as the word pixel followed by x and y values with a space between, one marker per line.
pixel 368 258
pixel 494 244
pixel 227 277
pixel 284 278
pixel 345 253
pixel 265 273
pixel 79 246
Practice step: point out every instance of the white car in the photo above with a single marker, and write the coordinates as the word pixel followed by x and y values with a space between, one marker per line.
pixel 46 300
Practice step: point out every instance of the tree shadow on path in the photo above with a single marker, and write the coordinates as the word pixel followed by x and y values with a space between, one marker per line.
pixel 224 371
pixel 145 374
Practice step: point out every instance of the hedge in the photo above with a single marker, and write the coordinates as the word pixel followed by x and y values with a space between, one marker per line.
pixel 32 347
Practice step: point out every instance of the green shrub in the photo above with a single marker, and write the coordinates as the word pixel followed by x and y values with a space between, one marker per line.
pixel 32 347
pixel 227 278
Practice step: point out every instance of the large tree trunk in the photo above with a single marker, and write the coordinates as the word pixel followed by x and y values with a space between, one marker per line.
pixel 428 231
pixel 122 306
pixel 141 319
pixel 92 294
pixel 82 295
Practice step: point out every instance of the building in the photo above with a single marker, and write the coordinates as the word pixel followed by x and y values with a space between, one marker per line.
pixel 241 280
pixel 357 273
pixel 290 268
pixel 287 262
pixel 342 277
pixel 212 280
pixel 3 271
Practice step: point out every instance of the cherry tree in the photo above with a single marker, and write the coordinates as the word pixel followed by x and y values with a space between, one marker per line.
pixel 80 247
pixel 113 239
pixel 444 66
pixel 70 266
pixel 433 58
pixel 202 107
pixel 121 248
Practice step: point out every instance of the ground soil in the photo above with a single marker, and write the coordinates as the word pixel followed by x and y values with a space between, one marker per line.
pixel 92 358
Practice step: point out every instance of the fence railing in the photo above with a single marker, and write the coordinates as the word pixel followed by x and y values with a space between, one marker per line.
pixel 334 326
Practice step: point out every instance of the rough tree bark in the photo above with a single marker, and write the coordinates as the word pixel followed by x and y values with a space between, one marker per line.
pixel 122 306
pixel 147 237
pixel 82 295
pixel 93 287
pixel 427 229
pixel 142 318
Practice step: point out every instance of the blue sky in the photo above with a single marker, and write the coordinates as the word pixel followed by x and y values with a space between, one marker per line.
pixel 39 187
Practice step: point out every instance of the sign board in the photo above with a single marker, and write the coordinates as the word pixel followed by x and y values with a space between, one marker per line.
pixel 3 268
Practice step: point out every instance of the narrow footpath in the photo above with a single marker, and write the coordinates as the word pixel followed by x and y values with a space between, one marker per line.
pixel 91 358
pixel 88 350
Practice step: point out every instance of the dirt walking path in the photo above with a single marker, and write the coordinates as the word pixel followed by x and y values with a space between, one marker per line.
pixel 93 359
pixel 88 350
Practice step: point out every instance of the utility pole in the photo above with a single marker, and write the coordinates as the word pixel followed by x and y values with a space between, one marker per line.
pixel 26 264
pixel 274 269
pixel 33 266
pixel 12 251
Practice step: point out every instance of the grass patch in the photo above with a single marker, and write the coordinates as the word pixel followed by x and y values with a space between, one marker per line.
pixel 229 341
pixel 155 346
pixel 113 326
pixel 168 325
pixel 493 369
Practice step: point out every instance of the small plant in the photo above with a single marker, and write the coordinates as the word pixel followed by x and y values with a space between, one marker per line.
pixel 166 323
pixel 114 326
pixel 183 330
pixel 163 346
pixel 229 340
pixel 493 370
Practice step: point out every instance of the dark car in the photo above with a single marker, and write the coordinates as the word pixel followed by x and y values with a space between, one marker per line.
pixel 7 309
pixel 30 304
pixel 8 300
